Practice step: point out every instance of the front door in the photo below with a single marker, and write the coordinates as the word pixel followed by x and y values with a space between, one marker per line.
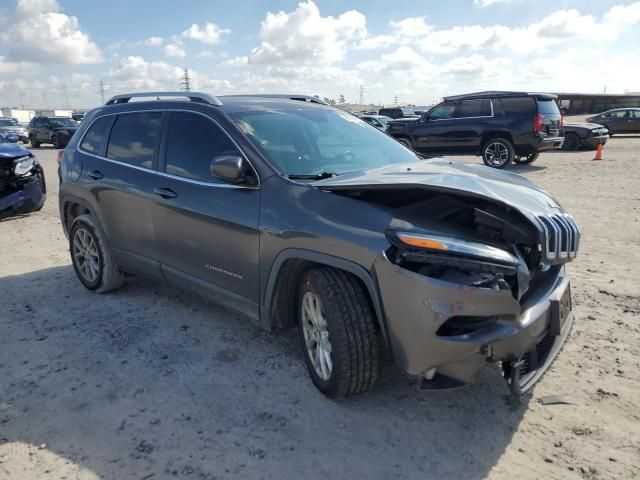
pixel 206 229
pixel 433 132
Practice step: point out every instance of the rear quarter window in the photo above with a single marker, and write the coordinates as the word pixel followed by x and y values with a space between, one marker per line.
pixel 517 105
pixel 93 140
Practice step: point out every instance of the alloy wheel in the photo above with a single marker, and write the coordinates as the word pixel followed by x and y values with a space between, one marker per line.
pixel 496 154
pixel 316 335
pixel 85 254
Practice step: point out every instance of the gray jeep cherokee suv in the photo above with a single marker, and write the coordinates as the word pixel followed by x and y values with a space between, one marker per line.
pixel 297 213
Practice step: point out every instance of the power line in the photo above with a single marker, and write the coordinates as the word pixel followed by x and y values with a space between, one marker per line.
pixel 185 83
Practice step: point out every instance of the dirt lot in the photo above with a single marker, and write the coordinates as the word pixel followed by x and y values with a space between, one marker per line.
pixel 150 383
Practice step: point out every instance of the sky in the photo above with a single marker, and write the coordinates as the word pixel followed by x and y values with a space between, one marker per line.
pixel 55 53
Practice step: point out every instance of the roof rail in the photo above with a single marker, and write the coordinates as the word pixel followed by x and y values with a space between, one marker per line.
pixel 193 96
pixel 302 98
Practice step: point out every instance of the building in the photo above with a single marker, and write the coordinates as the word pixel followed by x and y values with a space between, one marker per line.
pixel 20 114
pixel 580 103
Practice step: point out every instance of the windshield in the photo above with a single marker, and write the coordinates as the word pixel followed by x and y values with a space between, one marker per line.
pixel 311 141
pixel 8 122
pixel 63 122
pixel 547 107
pixel 408 111
pixel 382 119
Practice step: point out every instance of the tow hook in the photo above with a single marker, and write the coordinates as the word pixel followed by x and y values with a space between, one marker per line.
pixel 511 373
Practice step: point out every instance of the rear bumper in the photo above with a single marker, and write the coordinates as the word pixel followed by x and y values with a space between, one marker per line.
pixel 416 307
pixel 550 143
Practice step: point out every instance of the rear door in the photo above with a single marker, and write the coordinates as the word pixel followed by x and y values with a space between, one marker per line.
pixel 550 116
pixel 207 230
pixel 435 132
pixel 634 122
pixel 472 118
pixel 120 176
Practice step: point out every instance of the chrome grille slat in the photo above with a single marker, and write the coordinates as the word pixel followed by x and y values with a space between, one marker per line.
pixel 561 237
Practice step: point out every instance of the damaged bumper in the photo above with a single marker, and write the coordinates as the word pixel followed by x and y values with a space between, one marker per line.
pixel 444 332
pixel 23 196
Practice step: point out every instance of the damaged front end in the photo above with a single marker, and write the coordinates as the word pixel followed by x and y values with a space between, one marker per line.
pixel 22 182
pixel 468 280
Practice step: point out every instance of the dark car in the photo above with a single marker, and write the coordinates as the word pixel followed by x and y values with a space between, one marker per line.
pixel 584 135
pixel 398 112
pixel 54 130
pixel 22 185
pixel 619 120
pixel 296 213
pixel 378 121
pixel 10 126
pixel 500 126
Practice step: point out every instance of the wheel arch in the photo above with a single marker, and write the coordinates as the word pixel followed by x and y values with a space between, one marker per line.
pixel 495 134
pixel 278 311
pixel 72 206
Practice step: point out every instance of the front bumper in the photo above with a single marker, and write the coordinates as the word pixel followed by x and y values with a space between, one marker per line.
pixel 27 197
pixel 416 306
pixel 593 142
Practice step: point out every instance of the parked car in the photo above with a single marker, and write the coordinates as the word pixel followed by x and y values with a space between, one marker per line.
pixel 619 120
pixel 378 121
pixel 584 135
pixel 500 126
pixel 300 214
pixel 9 137
pixel 22 185
pixel 398 112
pixel 11 126
pixel 54 130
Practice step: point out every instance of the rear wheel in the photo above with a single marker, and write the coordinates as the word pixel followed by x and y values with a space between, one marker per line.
pixel 337 331
pixel 498 153
pixel 523 159
pixel 571 142
pixel 91 257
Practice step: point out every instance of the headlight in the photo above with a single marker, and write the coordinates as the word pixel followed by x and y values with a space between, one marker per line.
pixel 443 244
pixel 24 165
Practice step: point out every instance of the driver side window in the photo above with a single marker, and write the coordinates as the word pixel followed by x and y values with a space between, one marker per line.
pixel 444 111
pixel 193 141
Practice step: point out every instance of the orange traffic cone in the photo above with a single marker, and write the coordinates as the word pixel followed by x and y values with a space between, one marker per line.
pixel 598 152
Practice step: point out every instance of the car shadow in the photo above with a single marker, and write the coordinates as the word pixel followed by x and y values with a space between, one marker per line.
pixel 524 168
pixel 149 382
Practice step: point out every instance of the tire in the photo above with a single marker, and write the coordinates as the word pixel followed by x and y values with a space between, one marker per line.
pixel 34 143
pixel 99 274
pixel 525 159
pixel 571 142
pixel 56 142
pixel 344 329
pixel 498 152
pixel 405 142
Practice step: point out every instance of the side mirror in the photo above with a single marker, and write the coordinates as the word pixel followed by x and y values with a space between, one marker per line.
pixel 229 168
pixel 424 118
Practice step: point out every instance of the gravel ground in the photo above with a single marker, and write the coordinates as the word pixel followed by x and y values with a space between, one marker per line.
pixel 151 383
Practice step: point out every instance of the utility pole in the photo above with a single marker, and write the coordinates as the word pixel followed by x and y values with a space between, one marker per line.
pixel 361 94
pixel 66 96
pixel 185 81
pixel 102 91
pixel 22 99
pixel 395 100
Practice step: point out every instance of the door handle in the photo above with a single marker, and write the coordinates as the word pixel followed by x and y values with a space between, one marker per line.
pixel 165 192
pixel 95 174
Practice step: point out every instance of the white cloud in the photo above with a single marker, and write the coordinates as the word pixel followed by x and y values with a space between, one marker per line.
pixel 304 37
pixel 487 3
pixel 136 73
pixel 153 41
pixel 175 50
pixel 236 61
pixel 210 33
pixel 41 33
pixel 12 68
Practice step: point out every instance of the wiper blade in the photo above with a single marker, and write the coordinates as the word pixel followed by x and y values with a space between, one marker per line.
pixel 314 176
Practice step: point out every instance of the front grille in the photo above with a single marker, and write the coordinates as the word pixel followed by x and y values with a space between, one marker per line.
pixel 561 237
pixel 5 174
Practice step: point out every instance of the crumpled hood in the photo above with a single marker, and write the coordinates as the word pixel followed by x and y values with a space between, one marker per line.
pixel 455 177
pixel 13 150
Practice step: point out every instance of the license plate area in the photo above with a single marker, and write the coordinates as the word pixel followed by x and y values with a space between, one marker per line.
pixel 560 311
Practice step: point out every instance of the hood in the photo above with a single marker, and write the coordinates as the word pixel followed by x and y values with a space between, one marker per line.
pixel 12 128
pixel 455 177
pixel 588 126
pixel 13 150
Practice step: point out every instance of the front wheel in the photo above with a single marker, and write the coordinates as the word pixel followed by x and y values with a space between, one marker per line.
pixel 56 142
pixel 34 142
pixel 571 142
pixel 338 333
pixel 524 159
pixel 498 153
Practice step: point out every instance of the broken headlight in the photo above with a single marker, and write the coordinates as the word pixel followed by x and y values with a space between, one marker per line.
pixel 24 165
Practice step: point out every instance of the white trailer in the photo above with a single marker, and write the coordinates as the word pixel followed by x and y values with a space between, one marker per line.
pixel 20 114
pixel 54 113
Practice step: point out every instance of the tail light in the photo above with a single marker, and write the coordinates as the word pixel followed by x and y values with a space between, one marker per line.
pixel 60 152
pixel 561 121
pixel 589 119
pixel 537 123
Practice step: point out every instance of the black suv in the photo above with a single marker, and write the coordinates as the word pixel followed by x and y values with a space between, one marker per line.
pixel 500 126
pixel 398 112
pixel 54 130
pixel 300 214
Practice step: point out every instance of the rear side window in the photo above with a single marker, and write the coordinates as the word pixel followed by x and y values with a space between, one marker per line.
pixel 95 136
pixel 474 108
pixel 193 141
pixel 134 138
pixel 517 105
pixel 548 107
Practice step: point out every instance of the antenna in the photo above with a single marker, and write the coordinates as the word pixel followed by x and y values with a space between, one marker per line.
pixel 185 83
